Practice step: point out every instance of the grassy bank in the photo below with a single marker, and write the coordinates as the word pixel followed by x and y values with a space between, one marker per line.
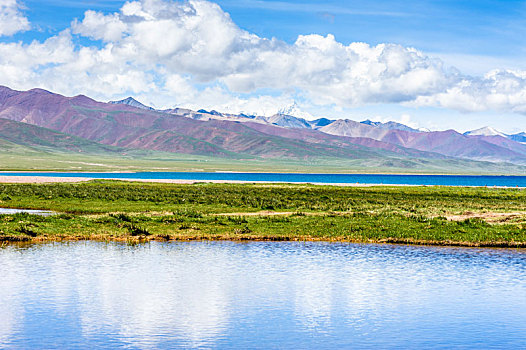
pixel 111 210
pixel 24 159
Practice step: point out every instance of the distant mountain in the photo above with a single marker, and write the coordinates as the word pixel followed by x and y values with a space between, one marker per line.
pixel 130 101
pixel 390 126
pixel 130 127
pixel 212 112
pixel 448 143
pixel 294 110
pixel 520 137
pixel 319 123
pixel 42 139
pixel 40 119
pixel 485 131
pixel 371 123
pixel 288 121
pixel 351 128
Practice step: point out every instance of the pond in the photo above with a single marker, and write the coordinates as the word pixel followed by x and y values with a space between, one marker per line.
pixel 260 295
pixel 9 211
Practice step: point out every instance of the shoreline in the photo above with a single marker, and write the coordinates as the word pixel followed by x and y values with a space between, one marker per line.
pixel 7 241
pixel 135 212
pixel 254 172
pixel 14 179
pixel 52 179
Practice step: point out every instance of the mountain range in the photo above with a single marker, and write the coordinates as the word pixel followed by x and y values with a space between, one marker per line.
pixel 40 119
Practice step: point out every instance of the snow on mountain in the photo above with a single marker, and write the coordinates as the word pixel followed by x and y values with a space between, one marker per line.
pixel 288 121
pixel 294 110
pixel 485 131
pixel 130 101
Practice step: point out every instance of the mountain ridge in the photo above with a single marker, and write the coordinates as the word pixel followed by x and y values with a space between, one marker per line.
pixel 130 101
pixel 126 125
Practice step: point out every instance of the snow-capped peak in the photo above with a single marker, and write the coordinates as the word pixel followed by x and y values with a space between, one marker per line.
pixel 130 101
pixel 295 111
pixel 485 131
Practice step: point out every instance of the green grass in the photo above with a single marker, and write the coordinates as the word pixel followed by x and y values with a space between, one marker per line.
pixel 25 147
pixel 21 158
pixel 112 210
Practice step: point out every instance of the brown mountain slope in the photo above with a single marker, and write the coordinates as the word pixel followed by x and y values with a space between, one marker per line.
pixel 129 127
pixel 449 142
pixel 125 126
pixel 314 136
pixel 17 133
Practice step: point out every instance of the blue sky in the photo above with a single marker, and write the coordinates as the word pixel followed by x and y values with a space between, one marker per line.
pixel 488 30
pixel 475 37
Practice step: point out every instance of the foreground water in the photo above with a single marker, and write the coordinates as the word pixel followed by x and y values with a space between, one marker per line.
pixel 260 295
pixel 440 180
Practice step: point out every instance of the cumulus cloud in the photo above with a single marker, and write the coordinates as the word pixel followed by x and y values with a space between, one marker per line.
pixel 199 39
pixel 501 90
pixel 192 53
pixel 11 18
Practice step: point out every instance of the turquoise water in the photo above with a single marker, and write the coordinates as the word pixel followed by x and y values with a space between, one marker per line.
pixel 262 295
pixel 443 180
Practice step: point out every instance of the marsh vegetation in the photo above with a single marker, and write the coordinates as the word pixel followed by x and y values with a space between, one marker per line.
pixel 113 210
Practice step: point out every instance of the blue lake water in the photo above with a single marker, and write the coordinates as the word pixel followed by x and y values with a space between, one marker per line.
pixel 443 180
pixel 260 295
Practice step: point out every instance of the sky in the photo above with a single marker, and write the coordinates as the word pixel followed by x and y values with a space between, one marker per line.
pixel 435 64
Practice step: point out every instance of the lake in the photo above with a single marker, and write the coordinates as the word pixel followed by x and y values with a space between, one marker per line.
pixel 442 180
pixel 260 295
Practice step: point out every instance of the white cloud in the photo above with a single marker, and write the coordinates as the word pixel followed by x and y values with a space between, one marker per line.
pixel 191 53
pixel 499 90
pixel 12 19
pixel 100 27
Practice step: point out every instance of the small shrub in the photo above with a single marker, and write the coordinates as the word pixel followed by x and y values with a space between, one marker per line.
pixel 171 220
pixel 238 220
pixel 26 230
pixel 121 217
pixel 241 231
pixel 137 230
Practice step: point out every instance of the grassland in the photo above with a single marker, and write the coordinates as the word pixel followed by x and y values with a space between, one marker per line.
pixel 22 158
pixel 135 212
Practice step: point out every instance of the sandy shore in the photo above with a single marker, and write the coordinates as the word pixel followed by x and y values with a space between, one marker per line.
pixel 50 179
pixel 40 179
pixel 53 179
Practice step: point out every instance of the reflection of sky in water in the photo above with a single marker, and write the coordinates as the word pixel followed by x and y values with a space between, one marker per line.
pixel 10 302
pixel 291 295
pixel 27 211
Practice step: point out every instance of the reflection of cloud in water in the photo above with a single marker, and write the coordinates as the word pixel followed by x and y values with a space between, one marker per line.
pixel 11 308
pixel 222 294
pixel 314 297
pixel 180 296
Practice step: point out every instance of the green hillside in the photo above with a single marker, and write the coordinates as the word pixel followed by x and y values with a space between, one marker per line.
pixel 26 137
pixel 32 148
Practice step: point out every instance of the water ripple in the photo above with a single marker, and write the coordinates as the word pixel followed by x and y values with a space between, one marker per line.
pixel 260 295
